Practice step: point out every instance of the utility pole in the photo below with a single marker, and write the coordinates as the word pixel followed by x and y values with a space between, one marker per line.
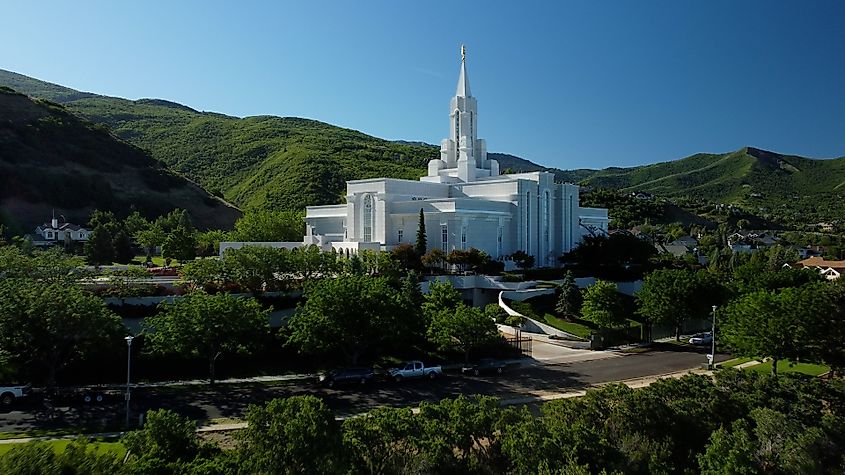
pixel 128 368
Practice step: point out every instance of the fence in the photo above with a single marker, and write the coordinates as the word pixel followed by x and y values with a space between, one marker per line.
pixel 521 343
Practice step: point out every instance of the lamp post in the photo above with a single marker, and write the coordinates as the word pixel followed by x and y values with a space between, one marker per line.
pixel 128 367
pixel 713 341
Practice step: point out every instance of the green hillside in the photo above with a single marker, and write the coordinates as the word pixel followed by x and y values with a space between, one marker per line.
pixel 729 176
pixel 782 188
pixel 52 160
pixel 284 162
pixel 255 162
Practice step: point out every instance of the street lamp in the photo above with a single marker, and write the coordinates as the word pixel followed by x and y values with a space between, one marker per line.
pixel 713 341
pixel 128 367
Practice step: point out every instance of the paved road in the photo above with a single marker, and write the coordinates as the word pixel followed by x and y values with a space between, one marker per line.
pixel 203 402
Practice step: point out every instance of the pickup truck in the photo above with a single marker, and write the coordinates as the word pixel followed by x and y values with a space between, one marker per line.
pixel 8 394
pixel 415 369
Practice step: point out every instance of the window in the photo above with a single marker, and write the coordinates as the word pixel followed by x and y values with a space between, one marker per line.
pixel 49 235
pixel 368 218
pixel 457 127
pixel 546 218
pixel 400 233
pixel 528 222
pixel 444 237
pixel 499 233
pixel 463 237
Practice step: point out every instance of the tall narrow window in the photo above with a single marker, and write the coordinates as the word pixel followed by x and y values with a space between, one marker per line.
pixel 528 222
pixel 444 237
pixel 368 218
pixel 547 212
pixel 400 233
pixel 499 242
pixel 457 127
pixel 463 237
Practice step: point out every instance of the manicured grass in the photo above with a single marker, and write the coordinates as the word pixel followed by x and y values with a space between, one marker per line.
pixel 158 261
pixel 577 329
pixel 785 367
pixel 59 445
pixel 735 362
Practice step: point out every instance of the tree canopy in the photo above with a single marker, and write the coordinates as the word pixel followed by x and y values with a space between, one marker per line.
pixel 206 326
pixel 352 314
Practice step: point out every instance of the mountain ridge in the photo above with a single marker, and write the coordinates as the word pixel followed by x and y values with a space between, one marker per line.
pixel 288 162
pixel 52 160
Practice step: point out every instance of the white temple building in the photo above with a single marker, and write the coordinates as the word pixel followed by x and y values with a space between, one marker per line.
pixel 466 202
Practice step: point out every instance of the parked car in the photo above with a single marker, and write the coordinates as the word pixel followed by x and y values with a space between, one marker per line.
pixel 701 339
pixel 8 394
pixel 347 376
pixel 485 365
pixel 413 370
pixel 71 396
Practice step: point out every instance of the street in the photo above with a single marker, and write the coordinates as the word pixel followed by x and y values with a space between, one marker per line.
pixel 231 401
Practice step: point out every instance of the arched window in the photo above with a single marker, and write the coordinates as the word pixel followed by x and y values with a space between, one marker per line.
pixel 368 218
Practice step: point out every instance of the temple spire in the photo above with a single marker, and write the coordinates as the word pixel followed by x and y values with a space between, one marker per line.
pixel 463 79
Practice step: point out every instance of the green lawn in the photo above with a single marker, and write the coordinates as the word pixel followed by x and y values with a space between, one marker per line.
pixel 158 261
pixel 577 329
pixel 59 445
pixel 735 362
pixel 787 367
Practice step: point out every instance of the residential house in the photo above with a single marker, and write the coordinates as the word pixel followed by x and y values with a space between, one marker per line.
pixel 58 232
pixel 830 270
pixel 749 241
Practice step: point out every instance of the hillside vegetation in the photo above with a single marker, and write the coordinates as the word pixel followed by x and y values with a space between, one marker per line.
pixel 52 160
pixel 255 162
pixel 288 163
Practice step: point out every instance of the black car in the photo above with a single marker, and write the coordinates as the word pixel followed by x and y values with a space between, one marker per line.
pixel 347 376
pixel 485 365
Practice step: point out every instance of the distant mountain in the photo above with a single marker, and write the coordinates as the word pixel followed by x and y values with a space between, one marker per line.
pixel 52 160
pixel 730 176
pixel 518 164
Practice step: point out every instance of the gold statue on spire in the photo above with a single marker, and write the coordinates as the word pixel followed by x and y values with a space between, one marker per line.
pixel 463 53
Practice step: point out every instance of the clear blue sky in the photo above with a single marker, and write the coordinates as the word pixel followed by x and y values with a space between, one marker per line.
pixel 566 84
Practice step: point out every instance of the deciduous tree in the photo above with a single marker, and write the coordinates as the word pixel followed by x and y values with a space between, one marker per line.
pixel 49 326
pixel 352 315
pixel 269 226
pixel 774 324
pixel 206 326
pixel 602 305
pixel 295 435
pixel 465 329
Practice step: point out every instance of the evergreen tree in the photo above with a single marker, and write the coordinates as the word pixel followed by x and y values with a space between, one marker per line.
pixel 569 302
pixel 99 249
pixel 422 241
pixel 123 252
